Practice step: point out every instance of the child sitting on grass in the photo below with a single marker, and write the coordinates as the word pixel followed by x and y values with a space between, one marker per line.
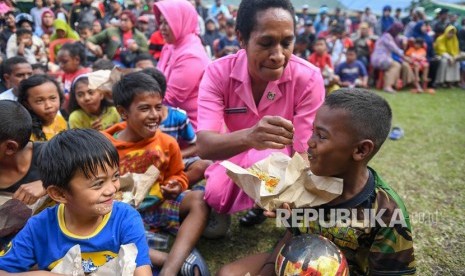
pixel 141 144
pixel 419 64
pixel 321 59
pixel 89 108
pixel 42 97
pixel 79 169
pixel 19 172
pixel 349 129
pixel 176 123
pixel 352 72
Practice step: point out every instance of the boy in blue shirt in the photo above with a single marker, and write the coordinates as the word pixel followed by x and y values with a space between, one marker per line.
pixel 352 73
pixel 79 170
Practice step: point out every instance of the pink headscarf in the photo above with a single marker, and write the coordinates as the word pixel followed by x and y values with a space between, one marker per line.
pixel 180 15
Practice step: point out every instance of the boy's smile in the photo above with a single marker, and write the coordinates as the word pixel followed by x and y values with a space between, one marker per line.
pixel 331 145
pixel 91 197
pixel 143 117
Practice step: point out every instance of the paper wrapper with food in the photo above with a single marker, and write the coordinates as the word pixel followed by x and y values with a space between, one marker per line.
pixel 280 179
pixel 124 264
pixel 134 187
pixel 103 80
pixel 14 213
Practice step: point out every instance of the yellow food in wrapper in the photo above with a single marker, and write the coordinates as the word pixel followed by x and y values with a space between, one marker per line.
pixel 270 181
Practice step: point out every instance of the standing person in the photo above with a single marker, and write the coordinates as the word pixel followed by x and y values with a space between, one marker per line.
pixel 183 58
pixel 84 12
pixel 447 48
pixel 363 44
pixel 381 58
pixel 36 12
pixel 369 18
pixel 8 29
pixel 386 21
pixel 218 8
pixel 266 97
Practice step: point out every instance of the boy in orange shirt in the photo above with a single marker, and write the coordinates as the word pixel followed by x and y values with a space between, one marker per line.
pixel 141 144
pixel 321 59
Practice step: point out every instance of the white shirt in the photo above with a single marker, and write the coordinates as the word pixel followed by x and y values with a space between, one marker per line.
pixel 8 95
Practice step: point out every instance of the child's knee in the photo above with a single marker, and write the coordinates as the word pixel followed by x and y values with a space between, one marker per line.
pixel 194 201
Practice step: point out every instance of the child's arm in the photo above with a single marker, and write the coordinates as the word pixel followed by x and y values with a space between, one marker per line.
pixel 175 179
pixel 29 193
pixel 268 266
pixel 189 151
pixel 143 271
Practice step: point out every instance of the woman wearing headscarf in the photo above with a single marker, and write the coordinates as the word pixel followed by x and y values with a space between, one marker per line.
pixel 46 27
pixel 183 58
pixel 447 48
pixel 381 58
pixel 63 30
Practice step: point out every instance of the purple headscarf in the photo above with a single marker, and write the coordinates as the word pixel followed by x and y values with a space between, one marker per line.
pixel 395 29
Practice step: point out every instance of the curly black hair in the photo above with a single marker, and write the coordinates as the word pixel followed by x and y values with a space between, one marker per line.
pixel 76 50
pixel 247 14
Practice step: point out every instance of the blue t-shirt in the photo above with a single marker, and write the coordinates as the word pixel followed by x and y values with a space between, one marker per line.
pixel 351 71
pixel 178 126
pixel 45 240
pixel 224 42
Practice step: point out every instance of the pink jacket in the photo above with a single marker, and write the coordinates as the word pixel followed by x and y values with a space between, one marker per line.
pixel 183 63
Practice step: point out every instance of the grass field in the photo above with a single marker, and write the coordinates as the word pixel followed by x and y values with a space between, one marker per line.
pixel 426 168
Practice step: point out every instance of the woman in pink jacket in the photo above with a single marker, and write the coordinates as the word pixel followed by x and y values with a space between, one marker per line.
pixel 183 58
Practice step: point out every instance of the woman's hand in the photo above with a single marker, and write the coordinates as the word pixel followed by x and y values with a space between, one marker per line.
pixel 271 132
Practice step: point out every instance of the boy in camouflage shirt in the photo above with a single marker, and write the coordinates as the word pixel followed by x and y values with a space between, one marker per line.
pixel 374 232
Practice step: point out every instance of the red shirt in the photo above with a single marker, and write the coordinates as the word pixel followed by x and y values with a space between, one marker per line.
pixel 156 43
pixel 320 61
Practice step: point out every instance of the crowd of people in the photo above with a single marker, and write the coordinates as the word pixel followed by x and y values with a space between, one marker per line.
pixel 201 85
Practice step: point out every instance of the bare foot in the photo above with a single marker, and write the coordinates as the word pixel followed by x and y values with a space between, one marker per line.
pixel 389 90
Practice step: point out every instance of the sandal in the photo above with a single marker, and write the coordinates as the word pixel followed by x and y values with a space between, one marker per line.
pixel 396 133
pixel 194 260
pixel 253 217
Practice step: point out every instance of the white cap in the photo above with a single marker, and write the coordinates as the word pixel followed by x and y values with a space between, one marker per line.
pixel 305 6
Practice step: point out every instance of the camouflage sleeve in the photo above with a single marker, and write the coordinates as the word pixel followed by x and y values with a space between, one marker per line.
pixel 392 252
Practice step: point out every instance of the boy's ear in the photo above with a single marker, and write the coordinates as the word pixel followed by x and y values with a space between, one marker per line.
pixel 363 150
pixel 9 147
pixel 57 194
pixel 122 112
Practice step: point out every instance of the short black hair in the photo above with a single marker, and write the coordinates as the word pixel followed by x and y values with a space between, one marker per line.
pixel 16 123
pixel 231 22
pixel 103 64
pixel 370 114
pixel 145 56
pixel 351 49
pixel 7 66
pixel 23 95
pixel 72 151
pixel 83 26
pixel 158 76
pixel 39 66
pixel 419 40
pixel 75 50
pixel 130 85
pixel 247 14
pixel 23 31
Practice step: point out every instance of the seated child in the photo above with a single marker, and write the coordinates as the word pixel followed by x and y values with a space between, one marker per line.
pixel 176 123
pixel 79 169
pixel 349 129
pixel 418 63
pixel 72 59
pixel 141 144
pixel 89 108
pixel 321 59
pixel 19 173
pixel 42 97
pixel 26 48
pixel 228 44
pixel 352 72
pixel 144 60
pixel 91 53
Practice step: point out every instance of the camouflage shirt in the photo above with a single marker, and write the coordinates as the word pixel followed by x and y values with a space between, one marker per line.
pixel 372 245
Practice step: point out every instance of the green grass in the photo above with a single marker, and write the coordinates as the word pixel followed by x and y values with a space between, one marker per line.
pixel 426 168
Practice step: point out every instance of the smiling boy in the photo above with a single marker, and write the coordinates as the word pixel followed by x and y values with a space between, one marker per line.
pixel 349 129
pixel 79 169
pixel 140 144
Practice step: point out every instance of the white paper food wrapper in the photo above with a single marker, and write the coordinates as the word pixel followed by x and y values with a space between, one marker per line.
pixel 296 184
pixel 124 264
pixel 135 186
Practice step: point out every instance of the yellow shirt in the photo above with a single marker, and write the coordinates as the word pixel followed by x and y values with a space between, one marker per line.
pixel 80 119
pixel 58 125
